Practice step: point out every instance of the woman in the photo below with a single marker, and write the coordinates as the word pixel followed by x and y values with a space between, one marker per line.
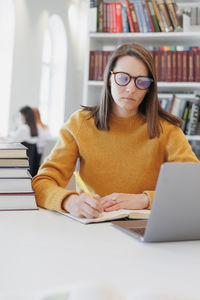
pixel 121 143
pixel 27 129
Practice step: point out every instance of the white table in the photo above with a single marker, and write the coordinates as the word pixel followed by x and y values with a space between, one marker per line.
pixel 41 250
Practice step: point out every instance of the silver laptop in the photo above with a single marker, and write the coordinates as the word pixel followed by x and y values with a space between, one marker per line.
pixel 175 212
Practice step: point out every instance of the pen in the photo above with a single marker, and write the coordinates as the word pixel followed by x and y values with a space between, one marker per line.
pixel 82 184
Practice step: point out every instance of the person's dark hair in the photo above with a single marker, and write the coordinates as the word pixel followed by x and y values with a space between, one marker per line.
pixel 150 106
pixel 29 115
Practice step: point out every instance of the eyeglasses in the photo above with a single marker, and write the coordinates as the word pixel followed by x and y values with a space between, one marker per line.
pixel 123 79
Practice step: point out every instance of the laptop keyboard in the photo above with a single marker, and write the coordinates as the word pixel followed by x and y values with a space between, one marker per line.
pixel 137 230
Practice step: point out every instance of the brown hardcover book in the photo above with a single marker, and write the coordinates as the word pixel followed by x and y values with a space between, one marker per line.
pixel 184 66
pixel 158 16
pixel 162 63
pixel 169 66
pixel 197 65
pixel 163 11
pixel 130 20
pixel 174 65
pixel 179 54
pixel 172 13
pixel 191 65
pixel 91 66
pixel 135 23
pixel 149 15
pixel 156 62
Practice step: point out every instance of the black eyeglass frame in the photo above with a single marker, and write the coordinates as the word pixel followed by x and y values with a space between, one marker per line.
pixel 131 77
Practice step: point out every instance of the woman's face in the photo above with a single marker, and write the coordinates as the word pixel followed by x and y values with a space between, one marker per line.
pixel 127 98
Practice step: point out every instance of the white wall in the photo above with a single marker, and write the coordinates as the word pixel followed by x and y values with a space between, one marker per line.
pixel 31 21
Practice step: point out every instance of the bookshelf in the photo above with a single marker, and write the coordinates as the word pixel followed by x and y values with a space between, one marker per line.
pixel 109 41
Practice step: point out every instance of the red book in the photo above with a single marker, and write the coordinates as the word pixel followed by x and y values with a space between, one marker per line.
pixel 118 15
pixel 130 20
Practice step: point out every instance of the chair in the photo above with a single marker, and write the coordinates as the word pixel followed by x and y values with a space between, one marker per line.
pixel 33 156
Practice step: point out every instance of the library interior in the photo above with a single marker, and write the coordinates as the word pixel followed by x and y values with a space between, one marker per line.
pixel 100 149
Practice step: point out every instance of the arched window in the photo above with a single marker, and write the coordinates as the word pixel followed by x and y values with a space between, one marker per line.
pixel 53 75
pixel 7 29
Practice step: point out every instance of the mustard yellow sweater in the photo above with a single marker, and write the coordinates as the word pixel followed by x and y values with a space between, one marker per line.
pixel 122 160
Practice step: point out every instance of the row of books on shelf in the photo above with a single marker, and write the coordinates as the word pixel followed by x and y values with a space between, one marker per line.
pixel 188 111
pixel 173 64
pixel 15 180
pixel 134 16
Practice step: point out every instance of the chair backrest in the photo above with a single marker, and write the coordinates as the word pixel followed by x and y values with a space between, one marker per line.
pixel 33 156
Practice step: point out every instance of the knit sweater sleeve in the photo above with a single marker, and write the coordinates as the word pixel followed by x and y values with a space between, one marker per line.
pixel 177 149
pixel 53 176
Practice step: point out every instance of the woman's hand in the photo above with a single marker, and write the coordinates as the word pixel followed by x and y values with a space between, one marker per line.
pixel 83 206
pixel 118 201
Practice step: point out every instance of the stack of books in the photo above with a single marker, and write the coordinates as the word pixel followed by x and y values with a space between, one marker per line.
pixel 15 180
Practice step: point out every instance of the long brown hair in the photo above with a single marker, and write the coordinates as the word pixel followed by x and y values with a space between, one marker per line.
pixel 150 106
pixel 38 119
pixel 29 116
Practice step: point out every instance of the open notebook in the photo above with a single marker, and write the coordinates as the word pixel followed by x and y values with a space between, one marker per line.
pixel 114 215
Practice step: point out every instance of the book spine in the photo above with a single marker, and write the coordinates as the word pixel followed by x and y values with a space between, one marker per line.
pixel 173 16
pixel 197 66
pixel 190 65
pixel 157 13
pixel 146 16
pixel 142 16
pixel 163 11
pixel 153 16
pixel 185 65
pixel 112 17
pixel 100 16
pixel 108 17
pixel 174 66
pixel 179 54
pixel 118 17
pixel 149 15
pixel 91 67
pixel 192 126
pixel 156 62
pixel 169 66
pixel 135 24
pixel 139 21
pixel 104 17
pixel 129 16
pixel 125 24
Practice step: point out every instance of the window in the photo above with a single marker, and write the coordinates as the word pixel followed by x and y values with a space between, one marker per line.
pixel 53 75
pixel 7 28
